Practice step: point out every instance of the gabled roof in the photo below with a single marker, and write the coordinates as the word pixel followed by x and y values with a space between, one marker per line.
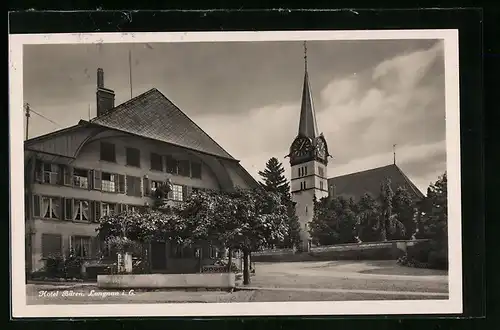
pixel 355 185
pixel 152 115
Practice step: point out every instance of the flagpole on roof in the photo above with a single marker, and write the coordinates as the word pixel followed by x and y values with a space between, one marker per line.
pixel 394 153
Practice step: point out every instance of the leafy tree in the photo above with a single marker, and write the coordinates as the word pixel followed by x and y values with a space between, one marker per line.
pixel 404 209
pixel 244 219
pixel 435 219
pixel 388 222
pixel 127 230
pixel 273 178
pixel 334 221
pixel 367 218
pixel 433 224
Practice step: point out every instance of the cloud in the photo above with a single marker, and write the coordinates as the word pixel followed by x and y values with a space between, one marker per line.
pixel 373 95
pixel 399 101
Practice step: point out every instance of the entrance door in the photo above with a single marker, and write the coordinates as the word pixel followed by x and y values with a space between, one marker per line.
pixel 158 256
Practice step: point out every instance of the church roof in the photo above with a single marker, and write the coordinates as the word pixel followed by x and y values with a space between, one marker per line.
pixel 152 115
pixel 355 185
pixel 307 125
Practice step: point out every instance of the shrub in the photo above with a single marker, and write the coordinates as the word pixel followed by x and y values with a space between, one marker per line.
pixel 73 266
pixel 429 254
pixel 54 266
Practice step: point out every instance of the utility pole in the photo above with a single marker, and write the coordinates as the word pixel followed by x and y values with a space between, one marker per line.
pixel 130 71
pixel 27 119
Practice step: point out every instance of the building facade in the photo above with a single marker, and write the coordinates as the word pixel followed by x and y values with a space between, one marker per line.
pixel 113 163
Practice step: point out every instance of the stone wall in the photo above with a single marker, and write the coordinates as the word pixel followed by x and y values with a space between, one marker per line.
pixel 391 250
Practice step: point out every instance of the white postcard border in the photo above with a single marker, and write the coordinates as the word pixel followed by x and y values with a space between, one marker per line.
pixel 21 309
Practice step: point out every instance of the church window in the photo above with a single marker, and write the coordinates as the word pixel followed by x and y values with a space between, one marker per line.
pixel 306 210
pixel 321 171
pixel 321 185
pixel 304 185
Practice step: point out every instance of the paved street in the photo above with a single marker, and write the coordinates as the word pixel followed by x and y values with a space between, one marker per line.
pixel 304 281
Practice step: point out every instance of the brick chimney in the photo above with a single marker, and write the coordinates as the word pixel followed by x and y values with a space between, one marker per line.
pixel 105 97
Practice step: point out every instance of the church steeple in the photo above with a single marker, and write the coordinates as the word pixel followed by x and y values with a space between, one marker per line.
pixel 307 124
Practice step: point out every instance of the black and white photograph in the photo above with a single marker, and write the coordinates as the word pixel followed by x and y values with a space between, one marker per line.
pixel 235 173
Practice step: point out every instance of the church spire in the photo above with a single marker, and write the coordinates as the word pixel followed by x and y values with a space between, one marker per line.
pixel 307 125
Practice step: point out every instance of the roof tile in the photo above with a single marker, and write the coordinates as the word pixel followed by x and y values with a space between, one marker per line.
pixel 357 184
pixel 154 116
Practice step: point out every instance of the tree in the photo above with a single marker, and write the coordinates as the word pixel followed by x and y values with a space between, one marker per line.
pixel 435 211
pixel 126 231
pixel 404 209
pixel 244 219
pixel 388 222
pixel 334 221
pixel 367 218
pixel 274 181
pixel 433 225
pixel 273 178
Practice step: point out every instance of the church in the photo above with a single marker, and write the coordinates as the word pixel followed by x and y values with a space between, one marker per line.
pixel 309 156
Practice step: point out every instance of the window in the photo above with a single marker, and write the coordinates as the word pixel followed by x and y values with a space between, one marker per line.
pixel 305 170
pixel 81 210
pixel 50 173
pixel 156 162
pixel 51 245
pixel 108 182
pixel 321 185
pixel 133 157
pixel 306 210
pixel 155 185
pixel 132 208
pixel 133 186
pixel 184 168
pixel 80 178
pixel 108 152
pixel 196 170
pixel 50 207
pixel 171 165
pixel 108 209
pixel 175 250
pixel 321 172
pixel 177 192
pixel 213 253
pixel 81 246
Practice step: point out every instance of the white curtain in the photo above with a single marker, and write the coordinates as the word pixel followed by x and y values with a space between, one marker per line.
pixel 85 210
pixel 76 209
pixel 45 207
pixel 56 207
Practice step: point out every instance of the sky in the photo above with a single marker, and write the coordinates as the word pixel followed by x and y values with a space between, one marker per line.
pixel 368 95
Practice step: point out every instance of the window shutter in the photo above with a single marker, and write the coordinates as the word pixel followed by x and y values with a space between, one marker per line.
pixel 121 183
pixel 62 204
pixel 184 192
pixel 60 174
pixel 36 205
pixel 147 188
pixel 68 209
pixel 68 175
pixel 94 247
pixel 70 244
pixel 38 171
pixel 97 210
pixel 97 180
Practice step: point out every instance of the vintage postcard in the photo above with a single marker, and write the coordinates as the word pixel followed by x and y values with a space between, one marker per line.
pixel 235 173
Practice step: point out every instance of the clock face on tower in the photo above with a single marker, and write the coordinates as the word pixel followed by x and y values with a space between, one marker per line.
pixel 301 147
pixel 321 148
